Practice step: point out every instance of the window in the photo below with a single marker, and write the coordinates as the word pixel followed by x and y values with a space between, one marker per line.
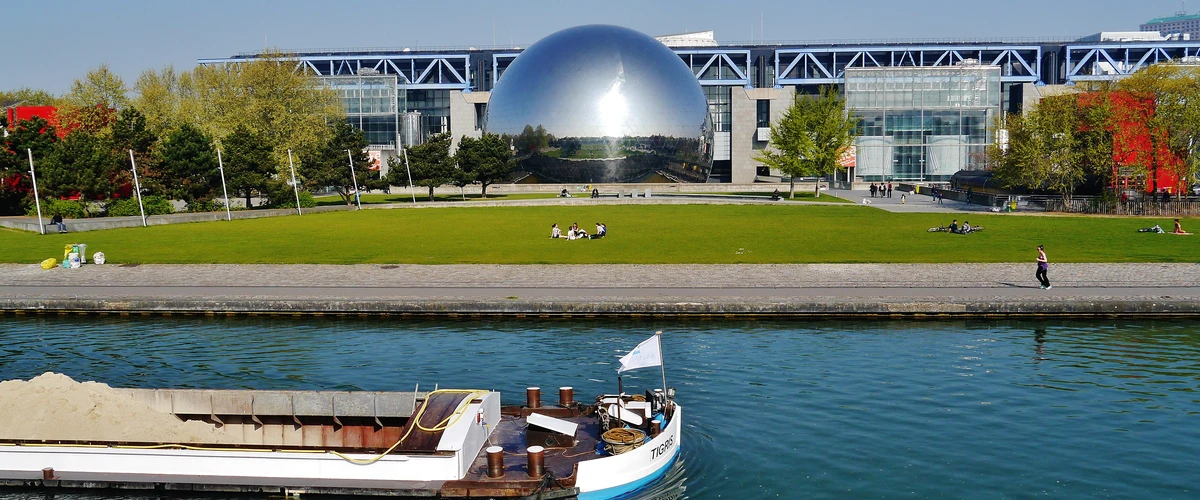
pixel 718 106
pixel 480 113
pixel 763 114
pixel 434 106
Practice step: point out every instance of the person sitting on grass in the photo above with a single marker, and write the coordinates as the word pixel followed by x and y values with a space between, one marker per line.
pixel 579 233
pixel 555 232
pixel 954 227
pixel 564 194
pixel 1179 228
pixel 966 227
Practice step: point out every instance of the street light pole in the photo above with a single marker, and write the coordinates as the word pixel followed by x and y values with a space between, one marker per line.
pixel 411 188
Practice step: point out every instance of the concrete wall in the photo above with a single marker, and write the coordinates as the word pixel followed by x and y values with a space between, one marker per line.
pixel 743 142
pixel 462 114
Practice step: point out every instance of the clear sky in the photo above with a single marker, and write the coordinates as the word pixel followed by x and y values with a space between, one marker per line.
pixel 47 44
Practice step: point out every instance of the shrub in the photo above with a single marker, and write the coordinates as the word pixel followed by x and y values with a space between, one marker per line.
pixel 306 201
pixel 155 205
pixel 69 209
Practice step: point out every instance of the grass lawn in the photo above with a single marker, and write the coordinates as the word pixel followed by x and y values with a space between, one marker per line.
pixel 785 233
pixel 376 199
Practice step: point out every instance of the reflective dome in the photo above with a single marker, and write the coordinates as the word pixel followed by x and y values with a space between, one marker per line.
pixel 603 104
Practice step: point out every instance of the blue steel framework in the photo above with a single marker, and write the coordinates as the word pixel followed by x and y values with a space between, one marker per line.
pixel 1107 61
pixel 793 64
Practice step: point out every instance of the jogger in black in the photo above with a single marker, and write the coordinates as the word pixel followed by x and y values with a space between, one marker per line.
pixel 1042 266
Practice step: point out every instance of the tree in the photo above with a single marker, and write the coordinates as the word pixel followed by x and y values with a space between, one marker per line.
pixel 1045 149
pixel 81 164
pixel 34 134
pixel 248 163
pixel 431 164
pixel 486 160
pixel 328 165
pixel 159 98
pixel 190 166
pixel 811 137
pixel 25 96
pixel 91 103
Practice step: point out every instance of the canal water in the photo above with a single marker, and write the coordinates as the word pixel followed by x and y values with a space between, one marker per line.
pixel 791 409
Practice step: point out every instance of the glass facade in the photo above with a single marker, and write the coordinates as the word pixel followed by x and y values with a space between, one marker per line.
pixel 922 124
pixel 434 108
pixel 371 104
pixel 718 106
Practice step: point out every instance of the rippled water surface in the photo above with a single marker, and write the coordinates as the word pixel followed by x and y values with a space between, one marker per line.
pixel 986 409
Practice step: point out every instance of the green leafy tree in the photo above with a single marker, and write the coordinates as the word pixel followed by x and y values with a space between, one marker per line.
pixel 249 166
pixel 189 165
pixel 26 96
pixel 811 137
pixel 15 185
pixel 130 132
pixel 91 103
pixel 486 160
pixel 1045 149
pixel 81 164
pixel 329 164
pixel 431 165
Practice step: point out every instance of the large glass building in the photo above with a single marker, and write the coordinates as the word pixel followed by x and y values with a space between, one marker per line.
pixel 922 124
pixel 373 104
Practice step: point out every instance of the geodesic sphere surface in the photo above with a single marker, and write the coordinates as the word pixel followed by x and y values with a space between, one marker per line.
pixel 602 104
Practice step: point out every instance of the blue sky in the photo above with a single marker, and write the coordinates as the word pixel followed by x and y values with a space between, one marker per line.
pixel 48 44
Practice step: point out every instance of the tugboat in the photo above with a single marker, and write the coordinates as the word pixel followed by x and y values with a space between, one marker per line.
pixel 444 443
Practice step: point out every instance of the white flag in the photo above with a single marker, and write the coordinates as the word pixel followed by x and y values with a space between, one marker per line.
pixel 648 353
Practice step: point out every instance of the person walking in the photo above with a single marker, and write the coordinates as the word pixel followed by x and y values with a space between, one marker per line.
pixel 889 190
pixel 872 189
pixel 1043 265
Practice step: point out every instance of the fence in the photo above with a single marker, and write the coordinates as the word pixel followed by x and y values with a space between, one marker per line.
pixel 1144 206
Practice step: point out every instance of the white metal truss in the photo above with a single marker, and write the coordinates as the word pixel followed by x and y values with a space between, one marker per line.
pixel 500 62
pixel 718 66
pixel 1091 62
pixel 825 65
pixel 414 71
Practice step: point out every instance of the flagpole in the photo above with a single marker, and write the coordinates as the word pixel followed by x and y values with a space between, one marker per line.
pixel 295 184
pixel 221 165
pixel 137 186
pixel 36 200
pixel 354 179
pixel 620 400
pixel 661 362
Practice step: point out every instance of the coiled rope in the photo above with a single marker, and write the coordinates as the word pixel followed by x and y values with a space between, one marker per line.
pixel 621 440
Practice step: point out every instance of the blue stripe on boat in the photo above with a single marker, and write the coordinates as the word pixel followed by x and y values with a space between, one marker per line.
pixel 627 488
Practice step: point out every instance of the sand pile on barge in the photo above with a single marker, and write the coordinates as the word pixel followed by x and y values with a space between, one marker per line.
pixel 54 407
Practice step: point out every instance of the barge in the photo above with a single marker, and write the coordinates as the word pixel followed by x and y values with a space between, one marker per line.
pixel 441 443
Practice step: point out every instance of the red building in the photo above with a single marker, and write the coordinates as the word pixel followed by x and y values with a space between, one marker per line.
pixel 1142 158
pixel 48 113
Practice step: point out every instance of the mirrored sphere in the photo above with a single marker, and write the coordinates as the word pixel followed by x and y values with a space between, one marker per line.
pixel 602 103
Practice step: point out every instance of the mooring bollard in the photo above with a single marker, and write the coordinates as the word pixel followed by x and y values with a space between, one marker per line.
pixel 533 397
pixel 536 461
pixel 495 461
pixel 566 396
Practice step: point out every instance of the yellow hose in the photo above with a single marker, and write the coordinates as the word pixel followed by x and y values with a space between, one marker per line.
pixel 444 424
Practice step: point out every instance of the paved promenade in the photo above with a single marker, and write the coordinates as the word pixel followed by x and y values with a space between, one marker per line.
pixel 844 290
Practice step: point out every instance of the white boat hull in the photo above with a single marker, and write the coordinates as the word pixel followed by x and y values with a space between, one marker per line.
pixel 618 475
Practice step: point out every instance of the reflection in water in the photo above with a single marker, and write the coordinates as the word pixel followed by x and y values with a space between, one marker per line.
pixel 774 409
pixel 595 104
